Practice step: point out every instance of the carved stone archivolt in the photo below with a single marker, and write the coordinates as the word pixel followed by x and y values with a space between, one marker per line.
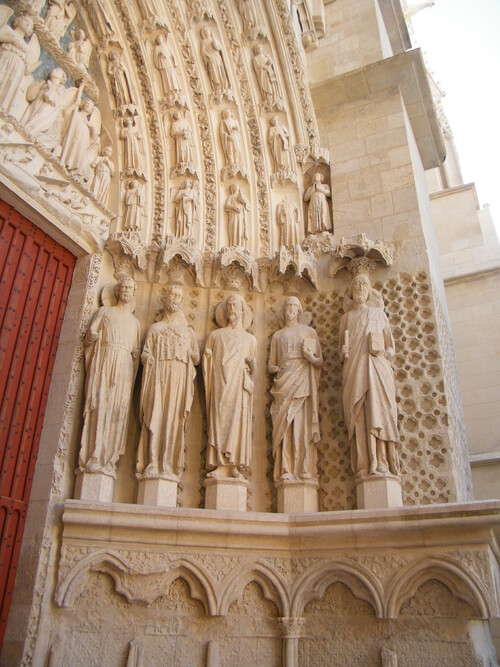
pixel 71 124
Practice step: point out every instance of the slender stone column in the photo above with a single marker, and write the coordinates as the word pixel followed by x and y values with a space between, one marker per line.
pixel 291 629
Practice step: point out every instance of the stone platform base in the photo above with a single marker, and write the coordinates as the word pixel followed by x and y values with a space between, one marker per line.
pixel 157 492
pixel 94 486
pixel 198 564
pixel 298 497
pixel 225 493
pixel 378 492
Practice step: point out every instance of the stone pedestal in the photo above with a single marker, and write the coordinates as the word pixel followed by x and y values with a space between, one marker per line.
pixel 157 491
pixel 94 486
pixel 298 497
pixel 375 492
pixel 226 493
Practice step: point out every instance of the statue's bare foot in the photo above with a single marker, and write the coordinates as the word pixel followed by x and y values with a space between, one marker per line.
pixel 287 477
pixel 151 470
pixel 305 475
pixel 373 469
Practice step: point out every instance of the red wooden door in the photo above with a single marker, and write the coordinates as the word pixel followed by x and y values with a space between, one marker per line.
pixel 35 277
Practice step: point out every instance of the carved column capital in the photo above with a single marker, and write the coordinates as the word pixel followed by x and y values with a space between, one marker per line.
pixel 291 627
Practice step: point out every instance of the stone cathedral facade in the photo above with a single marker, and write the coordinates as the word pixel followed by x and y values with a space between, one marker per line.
pixel 253 449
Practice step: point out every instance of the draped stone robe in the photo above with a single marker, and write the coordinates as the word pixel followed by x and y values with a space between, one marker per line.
pixel 112 346
pixel 369 394
pixel 296 401
pixel 229 396
pixel 169 357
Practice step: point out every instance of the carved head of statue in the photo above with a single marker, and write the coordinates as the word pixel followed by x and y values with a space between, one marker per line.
pixel 113 56
pixel 23 24
pixel 58 76
pixel 107 151
pixel 172 298
pixel 258 49
pixel 80 36
pixel 160 39
pixel 206 33
pixel 234 188
pixel 125 290
pixel 232 310
pixel 318 177
pixel 227 113
pixel 87 106
pixel 293 308
pixel 274 121
pixel 360 289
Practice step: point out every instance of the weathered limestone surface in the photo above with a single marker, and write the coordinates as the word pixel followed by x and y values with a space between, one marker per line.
pixel 190 151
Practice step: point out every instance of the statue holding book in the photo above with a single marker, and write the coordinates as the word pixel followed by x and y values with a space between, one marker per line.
pixel 369 393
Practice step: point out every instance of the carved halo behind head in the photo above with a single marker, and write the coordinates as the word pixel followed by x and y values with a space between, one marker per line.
pixel 221 312
pixel 109 293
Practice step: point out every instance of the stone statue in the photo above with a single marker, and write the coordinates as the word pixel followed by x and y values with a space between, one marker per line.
pixel 211 53
pixel 169 357
pixel 287 217
pixel 368 390
pixel 182 134
pixel 58 16
pixel 100 20
pixel 118 78
pixel 318 214
pixel 230 139
pixel 134 203
pixel 80 48
pixel 279 143
pixel 165 63
pixel 112 348
pixel 186 201
pixel 199 10
pixel 251 24
pixel 228 372
pixel 132 154
pixel 81 143
pixel 236 207
pixel 151 15
pixel 43 117
pixel 104 170
pixel 17 57
pixel 296 361
pixel 272 99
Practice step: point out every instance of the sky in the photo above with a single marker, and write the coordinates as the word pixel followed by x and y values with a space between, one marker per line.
pixel 461 44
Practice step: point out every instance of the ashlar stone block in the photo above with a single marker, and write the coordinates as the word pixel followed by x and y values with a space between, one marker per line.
pixel 158 492
pixel 374 492
pixel 94 486
pixel 298 497
pixel 226 493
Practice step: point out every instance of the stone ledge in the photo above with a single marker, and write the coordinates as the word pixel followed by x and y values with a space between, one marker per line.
pixel 432 525
pixel 383 555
